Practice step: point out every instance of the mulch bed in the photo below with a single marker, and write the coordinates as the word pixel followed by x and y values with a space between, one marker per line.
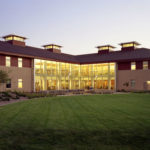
pixel 2 103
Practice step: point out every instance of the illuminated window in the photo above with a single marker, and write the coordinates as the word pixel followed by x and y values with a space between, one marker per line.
pixel 20 62
pixel 56 47
pixel 9 38
pixel 52 46
pixel 128 45
pixel 7 61
pixel 133 66
pixel 104 48
pixel 52 75
pixel 145 65
pixel 20 84
pixel 112 69
pixel 18 38
pixel 49 47
pixel 132 83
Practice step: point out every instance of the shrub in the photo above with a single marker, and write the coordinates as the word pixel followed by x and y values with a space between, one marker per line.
pixel 5 99
pixel 6 94
pixel 20 94
pixel 36 95
pixel 1 98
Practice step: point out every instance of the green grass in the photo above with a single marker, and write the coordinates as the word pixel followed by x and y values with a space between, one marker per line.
pixel 97 122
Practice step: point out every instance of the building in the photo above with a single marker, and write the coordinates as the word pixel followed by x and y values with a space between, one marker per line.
pixel 33 69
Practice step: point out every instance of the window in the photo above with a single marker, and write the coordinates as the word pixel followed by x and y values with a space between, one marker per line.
pixel 8 83
pixel 145 65
pixel 133 66
pixel 132 83
pixel 148 82
pixel 128 45
pixel 20 62
pixel 104 48
pixel 18 38
pixel 7 61
pixel 20 84
pixel 9 38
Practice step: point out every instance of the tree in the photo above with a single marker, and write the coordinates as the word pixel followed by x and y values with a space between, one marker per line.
pixel 3 76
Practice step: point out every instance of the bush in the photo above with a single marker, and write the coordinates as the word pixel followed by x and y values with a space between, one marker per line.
pixel 20 94
pixel 6 94
pixel 1 98
pixel 37 95
pixel 5 99
pixel 141 92
pixel 15 97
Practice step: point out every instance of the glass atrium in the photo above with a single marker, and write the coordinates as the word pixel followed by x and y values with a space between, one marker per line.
pixel 52 75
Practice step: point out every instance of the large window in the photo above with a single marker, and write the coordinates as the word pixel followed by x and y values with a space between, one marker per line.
pixel 145 65
pixel 20 83
pixel 133 65
pixel 39 66
pixel 20 62
pixel 52 75
pixel 7 61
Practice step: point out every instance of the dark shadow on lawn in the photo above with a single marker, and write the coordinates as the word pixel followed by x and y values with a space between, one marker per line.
pixel 38 139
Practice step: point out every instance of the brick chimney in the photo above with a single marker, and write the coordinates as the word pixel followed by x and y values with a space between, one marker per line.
pixel 53 48
pixel 15 39
pixel 129 46
pixel 105 49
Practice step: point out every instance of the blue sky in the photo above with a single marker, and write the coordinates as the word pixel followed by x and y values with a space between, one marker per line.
pixel 78 25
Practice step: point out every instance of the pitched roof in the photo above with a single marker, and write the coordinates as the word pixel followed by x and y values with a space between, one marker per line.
pixel 35 52
pixel 114 56
pixel 13 36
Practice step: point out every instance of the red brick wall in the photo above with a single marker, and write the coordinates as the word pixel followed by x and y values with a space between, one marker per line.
pixel 19 43
pixel 124 65
pixel 27 62
pixel 127 65
pixel 2 60
pixel 14 61
pixel 139 65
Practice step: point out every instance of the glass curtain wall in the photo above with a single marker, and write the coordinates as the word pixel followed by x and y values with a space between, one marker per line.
pixel 52 75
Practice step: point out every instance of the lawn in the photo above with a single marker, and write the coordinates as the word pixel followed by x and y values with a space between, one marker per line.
pixel 96 122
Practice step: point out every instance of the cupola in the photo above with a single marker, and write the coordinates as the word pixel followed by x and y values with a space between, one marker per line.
pixel 129 45
pixel 105 49
pixel 15 39
pixel 53 48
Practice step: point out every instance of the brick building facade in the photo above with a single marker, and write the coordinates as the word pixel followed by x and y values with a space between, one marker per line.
pixel 33 69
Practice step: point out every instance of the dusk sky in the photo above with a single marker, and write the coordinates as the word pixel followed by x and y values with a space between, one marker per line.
pixel 78 25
